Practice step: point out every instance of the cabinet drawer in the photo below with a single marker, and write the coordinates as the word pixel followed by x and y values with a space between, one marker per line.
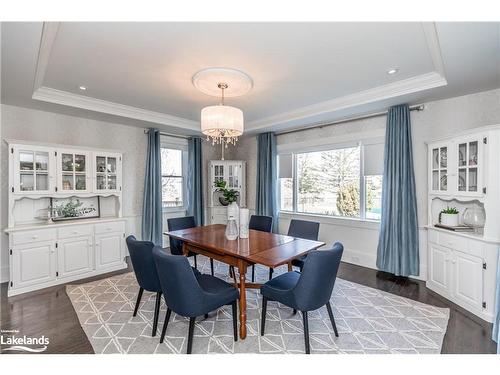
pixel 74 231
pixel 20 238
pixel 118 226
pixel 452 242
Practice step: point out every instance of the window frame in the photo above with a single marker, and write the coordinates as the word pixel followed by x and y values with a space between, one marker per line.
pixel 294 151
pixel 177 144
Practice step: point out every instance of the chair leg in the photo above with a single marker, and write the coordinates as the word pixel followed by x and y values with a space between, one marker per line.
pixel 212 266
pixel 253 273
pixel 137 303
pixel 332 319
pixel 271 273
pixel 206 316
pixel 157 312
pixel 294 311
pixel 306 331
pixel 263 319
pixel 165 324
pixel 235 320
pixel 190 335
pixel 195 262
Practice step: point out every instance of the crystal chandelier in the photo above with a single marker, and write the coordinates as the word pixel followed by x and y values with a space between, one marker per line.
pixel 222 124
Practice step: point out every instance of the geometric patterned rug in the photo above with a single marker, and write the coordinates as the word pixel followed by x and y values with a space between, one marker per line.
pixel 368 320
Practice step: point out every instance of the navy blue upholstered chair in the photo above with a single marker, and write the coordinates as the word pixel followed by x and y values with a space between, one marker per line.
pixel 179 223
pixel 141 255
pixel 308 230
pixel 191 295
pixel 308 290
pixel 262 223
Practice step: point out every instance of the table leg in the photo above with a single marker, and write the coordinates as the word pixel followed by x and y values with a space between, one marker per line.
pixel 290 269
pixel 243 302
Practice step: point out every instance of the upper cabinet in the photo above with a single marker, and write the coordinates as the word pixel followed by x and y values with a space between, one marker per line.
pixel 231 171
pixel 33 168
pixel 56 171
pixel 106 172
pixel 457 167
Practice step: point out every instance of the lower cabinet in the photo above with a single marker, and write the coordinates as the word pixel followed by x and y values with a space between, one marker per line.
pixel 109 249
pixel 75 256
pixel 33 264
pixel 439 273
pixel 468 279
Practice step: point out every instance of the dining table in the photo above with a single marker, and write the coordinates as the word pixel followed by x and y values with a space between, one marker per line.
pixel 268 249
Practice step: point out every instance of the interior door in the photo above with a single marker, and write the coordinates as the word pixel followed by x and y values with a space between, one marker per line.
pixel 109 249
pixel 75 256
pixel 33 264
pixel 439 258
pixel 468 279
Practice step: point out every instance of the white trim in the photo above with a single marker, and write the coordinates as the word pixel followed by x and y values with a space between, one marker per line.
pixel 11 142
pixel 49 33
pixel 432 40
pixel 334 220
pixel 4 274
pixel 51 95
pixel 393 90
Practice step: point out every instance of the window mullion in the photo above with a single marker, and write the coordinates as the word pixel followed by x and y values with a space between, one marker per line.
pixel 294 183
pixel 362 185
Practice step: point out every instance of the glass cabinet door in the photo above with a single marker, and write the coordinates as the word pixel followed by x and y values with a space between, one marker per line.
pixel 468 166
pixel 106 172
pixel 439 178
pixel 32 167
pixel 218 172
pixel 74 171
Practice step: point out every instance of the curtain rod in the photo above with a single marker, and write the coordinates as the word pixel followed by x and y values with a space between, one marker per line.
pixel 417 107
pixel 146 131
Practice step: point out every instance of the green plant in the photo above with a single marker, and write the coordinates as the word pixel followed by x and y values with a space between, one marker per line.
pixel 230 195
pixel 449 211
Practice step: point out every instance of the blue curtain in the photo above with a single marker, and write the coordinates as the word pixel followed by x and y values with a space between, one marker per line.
pixel 152 202
pixel 195 182
pixel 267 177
pixel 496 322
pixel 397 251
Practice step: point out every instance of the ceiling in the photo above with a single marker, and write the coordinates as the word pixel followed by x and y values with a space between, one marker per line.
pixel 303 73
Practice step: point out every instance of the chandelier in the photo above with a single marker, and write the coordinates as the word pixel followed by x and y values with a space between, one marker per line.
pixel 222 124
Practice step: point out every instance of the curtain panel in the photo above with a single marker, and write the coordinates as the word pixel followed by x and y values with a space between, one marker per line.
pixel 267 177
pixel 398 247
pixel 195 180
pixel 152 199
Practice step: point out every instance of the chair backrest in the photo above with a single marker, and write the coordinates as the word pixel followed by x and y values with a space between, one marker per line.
pixel 308 230
pixel 261 222
pixel 179 223
pixel 141 255
pixel 317 278
pixel 182 291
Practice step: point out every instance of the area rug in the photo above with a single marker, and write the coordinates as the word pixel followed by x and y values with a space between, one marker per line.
pixel 368 321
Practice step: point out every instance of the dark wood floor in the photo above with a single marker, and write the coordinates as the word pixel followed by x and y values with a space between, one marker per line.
pixel 49 312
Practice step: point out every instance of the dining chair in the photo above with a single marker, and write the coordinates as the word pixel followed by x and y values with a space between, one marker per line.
pixel 308 230
pixel 307 290
pixel 262 223
pixel 191 295
pixel 141 255
pixel 179 223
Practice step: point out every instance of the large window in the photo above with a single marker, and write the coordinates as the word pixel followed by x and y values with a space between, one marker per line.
pixel 172 178
pixel 331 182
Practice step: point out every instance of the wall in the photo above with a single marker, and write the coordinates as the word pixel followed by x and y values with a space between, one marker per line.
pixel 32 125
pixel 440 118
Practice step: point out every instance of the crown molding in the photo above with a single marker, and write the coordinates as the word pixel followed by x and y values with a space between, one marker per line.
pixel 404 87
pixel 49 33
pixel 51 95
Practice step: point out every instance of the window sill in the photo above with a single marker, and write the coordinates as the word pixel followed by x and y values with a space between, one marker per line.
pixel 170 210
pixel 334 220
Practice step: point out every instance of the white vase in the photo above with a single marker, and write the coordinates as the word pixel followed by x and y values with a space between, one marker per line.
pixel 233 216
pixel 450 220
pixel 244 221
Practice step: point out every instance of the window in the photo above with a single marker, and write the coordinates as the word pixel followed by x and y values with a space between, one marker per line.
pixel 172 179
pixel 333 182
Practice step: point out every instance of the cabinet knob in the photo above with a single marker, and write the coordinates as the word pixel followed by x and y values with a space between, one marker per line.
pixel 34 237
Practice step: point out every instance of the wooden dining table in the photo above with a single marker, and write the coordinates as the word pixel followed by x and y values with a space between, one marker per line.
pixel 269 249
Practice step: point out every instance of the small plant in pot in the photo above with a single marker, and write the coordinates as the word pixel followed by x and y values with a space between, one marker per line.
pixel 228 195
pixel 449 216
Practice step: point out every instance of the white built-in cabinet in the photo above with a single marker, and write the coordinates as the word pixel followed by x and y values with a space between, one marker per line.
pixel 234 173
pixel 464 171
pixel 43 253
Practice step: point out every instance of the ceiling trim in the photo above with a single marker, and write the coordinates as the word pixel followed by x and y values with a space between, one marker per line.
pixel 411 85
pixel 51 95
pixel 404 87
pixel 49 33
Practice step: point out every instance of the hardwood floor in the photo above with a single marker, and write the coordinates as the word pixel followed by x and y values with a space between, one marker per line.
pixel 49 312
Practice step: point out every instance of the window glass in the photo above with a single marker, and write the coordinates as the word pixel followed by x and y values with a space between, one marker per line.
pixel 172 178
pixel 373 192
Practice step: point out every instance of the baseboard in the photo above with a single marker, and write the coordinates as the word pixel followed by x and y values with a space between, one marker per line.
pixel 4 274
pixel 361 258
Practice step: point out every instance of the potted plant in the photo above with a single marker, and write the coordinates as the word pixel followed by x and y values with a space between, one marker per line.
pixel 228 195
pixel 449 217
